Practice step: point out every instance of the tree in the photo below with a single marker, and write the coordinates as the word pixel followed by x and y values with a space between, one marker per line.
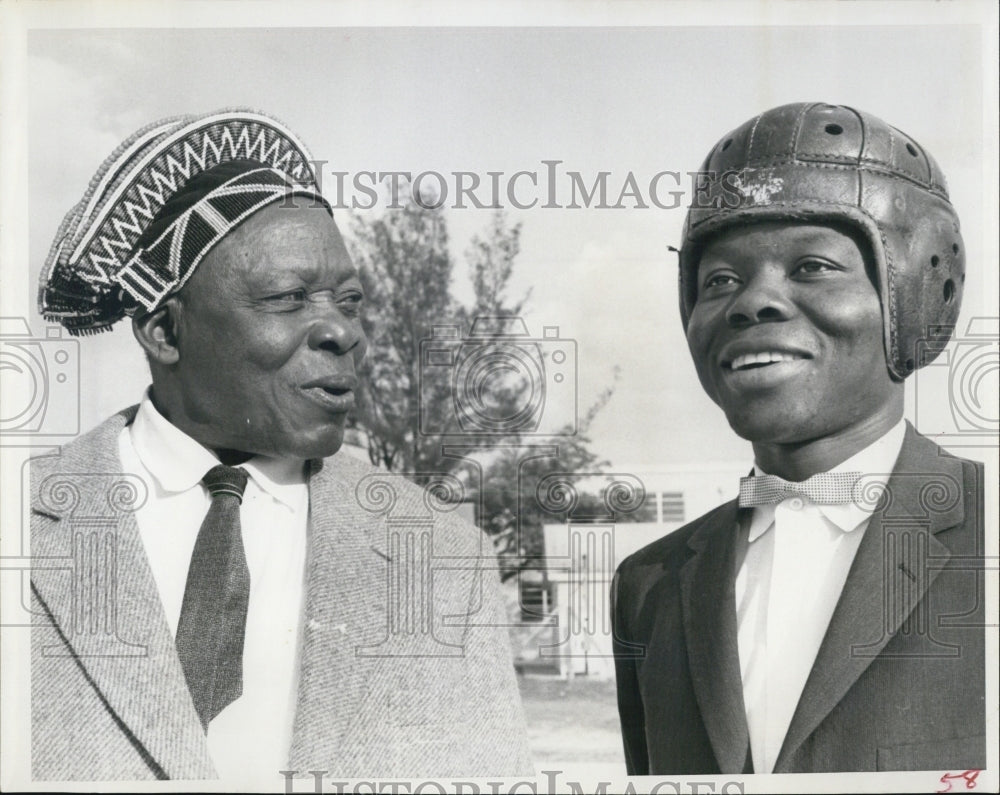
pixel 406 273
pixel 414 393
pixel 491 264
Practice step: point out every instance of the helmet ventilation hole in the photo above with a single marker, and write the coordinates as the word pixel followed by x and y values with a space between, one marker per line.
pixel 954 247
pixel 935 260
pixel 727 144
pixel 949 291
pixel 833 129
pixel 910 148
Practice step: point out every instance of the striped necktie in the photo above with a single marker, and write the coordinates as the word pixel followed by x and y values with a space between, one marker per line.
pixel 214 611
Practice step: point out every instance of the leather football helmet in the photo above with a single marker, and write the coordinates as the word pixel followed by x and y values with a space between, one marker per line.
pixel 819 163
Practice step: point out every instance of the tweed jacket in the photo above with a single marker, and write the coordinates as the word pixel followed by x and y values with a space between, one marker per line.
pixel 899 680
pixel 393 682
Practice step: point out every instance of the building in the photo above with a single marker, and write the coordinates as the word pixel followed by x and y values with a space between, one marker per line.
pixel 565 618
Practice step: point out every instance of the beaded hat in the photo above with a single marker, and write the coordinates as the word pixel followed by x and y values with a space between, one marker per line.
pixel 157 206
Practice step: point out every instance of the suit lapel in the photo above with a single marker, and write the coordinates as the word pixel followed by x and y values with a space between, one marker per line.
pixel 134 668
pixel 888 578
pixel 709 607
pixel 346 562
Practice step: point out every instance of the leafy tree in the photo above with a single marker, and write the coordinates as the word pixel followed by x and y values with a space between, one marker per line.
pixel 406 272
pixel 406 407
pixel 491 264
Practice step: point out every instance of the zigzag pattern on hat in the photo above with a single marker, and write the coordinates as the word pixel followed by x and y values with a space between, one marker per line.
pixel 167 263
pixel 79 285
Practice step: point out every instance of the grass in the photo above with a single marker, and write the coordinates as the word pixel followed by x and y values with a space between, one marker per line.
pixel 572 721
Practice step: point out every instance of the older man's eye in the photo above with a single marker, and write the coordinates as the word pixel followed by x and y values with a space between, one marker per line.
pixel 351 302
pixel 291 297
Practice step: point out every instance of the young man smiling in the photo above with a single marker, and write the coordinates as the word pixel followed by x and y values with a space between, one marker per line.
pixel 831 618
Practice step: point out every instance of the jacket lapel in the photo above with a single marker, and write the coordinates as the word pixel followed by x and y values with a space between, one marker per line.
pixel 93 578
pixel 888 578
pixel 709 607
pixel 346 562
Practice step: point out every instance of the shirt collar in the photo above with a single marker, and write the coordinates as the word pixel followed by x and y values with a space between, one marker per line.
pixel 876 461
pixel 282 478
pixel 178 462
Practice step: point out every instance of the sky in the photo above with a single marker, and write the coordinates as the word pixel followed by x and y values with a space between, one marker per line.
pixel 621 100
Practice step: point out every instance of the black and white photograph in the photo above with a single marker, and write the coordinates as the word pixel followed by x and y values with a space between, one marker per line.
pixel 499 398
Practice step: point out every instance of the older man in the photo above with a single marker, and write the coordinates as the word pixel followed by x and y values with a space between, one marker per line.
pixel 249 615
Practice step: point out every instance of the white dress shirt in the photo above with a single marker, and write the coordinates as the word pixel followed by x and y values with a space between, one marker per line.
pixel 250 739
pixel 797 559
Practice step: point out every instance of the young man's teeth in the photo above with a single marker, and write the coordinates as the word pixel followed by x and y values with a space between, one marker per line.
pixel 767 357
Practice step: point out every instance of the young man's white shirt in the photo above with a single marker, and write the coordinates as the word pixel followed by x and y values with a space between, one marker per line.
pixel 798 555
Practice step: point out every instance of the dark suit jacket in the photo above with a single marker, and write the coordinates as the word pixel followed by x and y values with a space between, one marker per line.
pixel 109 700
pixel 898 683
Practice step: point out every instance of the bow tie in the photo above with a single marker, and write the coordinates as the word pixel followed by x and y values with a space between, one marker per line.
pixel 826 488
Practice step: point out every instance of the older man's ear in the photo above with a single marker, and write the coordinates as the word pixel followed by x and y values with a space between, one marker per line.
pixel 156 332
